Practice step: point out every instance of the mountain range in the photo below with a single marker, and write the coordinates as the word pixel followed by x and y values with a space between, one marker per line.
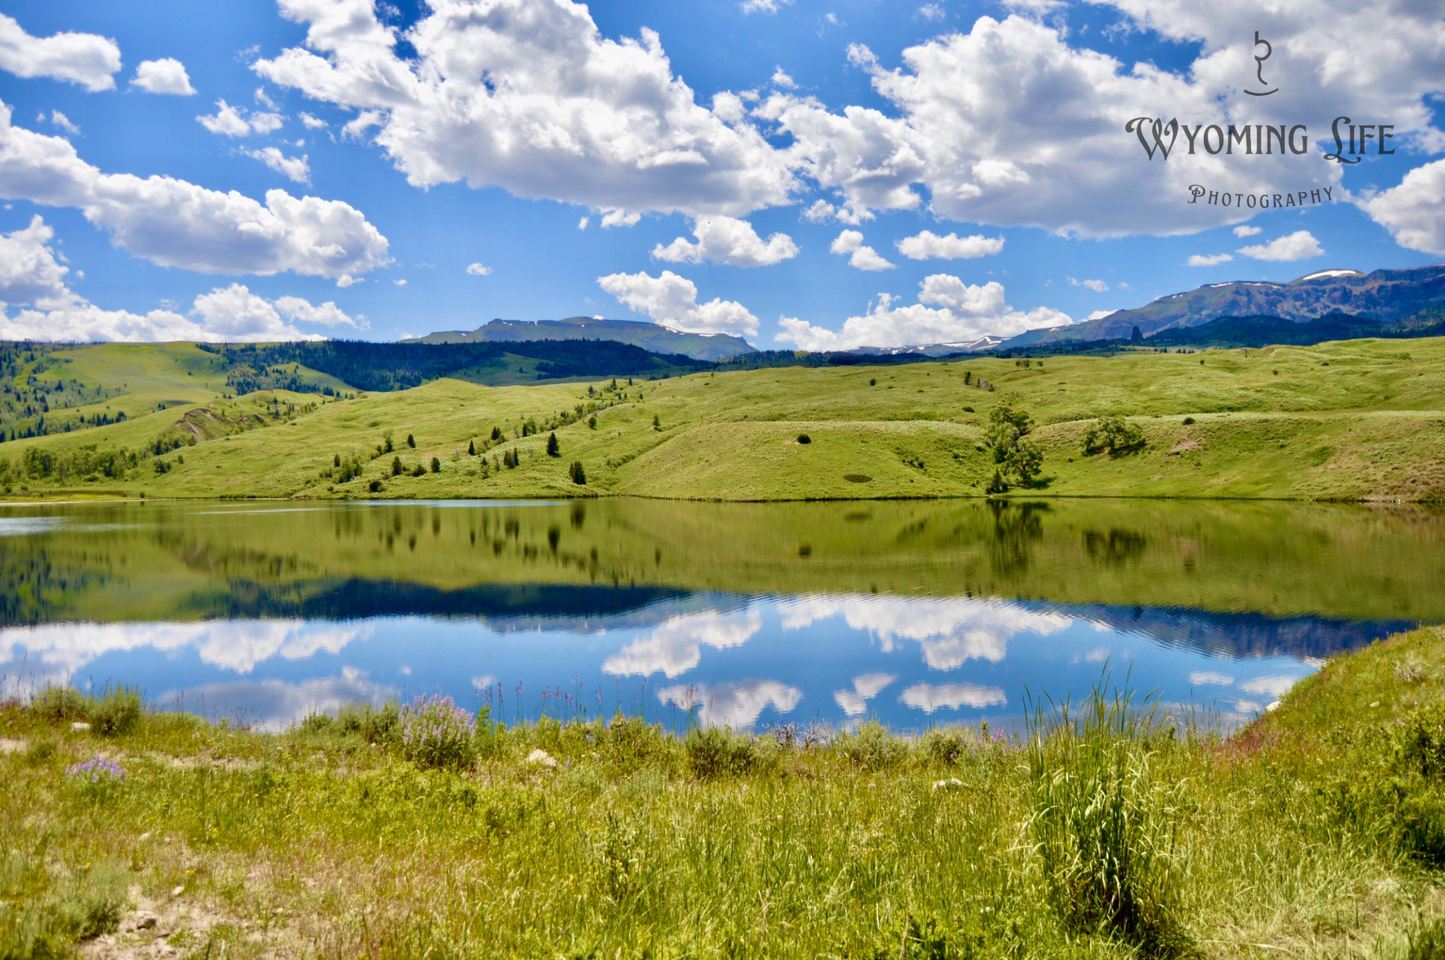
pixel 653 337
pixel 1386 299
pixel 1333 304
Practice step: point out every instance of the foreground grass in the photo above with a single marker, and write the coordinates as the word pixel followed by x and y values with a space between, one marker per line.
pixel 1357 420
pixel 1307 835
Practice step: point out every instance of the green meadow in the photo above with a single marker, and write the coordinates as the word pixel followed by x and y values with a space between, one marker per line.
pixel 1111 830
pixel 1357 420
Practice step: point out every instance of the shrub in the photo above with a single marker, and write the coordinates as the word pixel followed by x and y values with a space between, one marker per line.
pixel 418 471
pixel 117 712
pixel 374 725
pixel 1104 825
pixel 804 438
pixel 592 422
pixel 436 465
pixel 58 704
pixel 718 752
pixel 579 475
pixel 374 486
pixel 95 903
pixel 872 747
pixel 1189 421
pixel 435 732
pixel 41 750
pixel 1114 435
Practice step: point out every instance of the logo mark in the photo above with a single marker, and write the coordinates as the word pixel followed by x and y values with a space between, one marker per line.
pixel 1259 66
pixel 1146 130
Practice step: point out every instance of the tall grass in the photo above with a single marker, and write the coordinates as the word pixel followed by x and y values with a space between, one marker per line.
pixel 1070 843
pixel 1104 824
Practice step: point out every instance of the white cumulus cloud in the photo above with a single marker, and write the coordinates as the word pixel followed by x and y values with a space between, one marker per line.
pixel 167 75
pixel 232 121
pixel 728 241
pixel 63 122
pixel 1212 260
pixel 672 301
pixel 1245 230
pixel 1012 124
pixel 179 224
pixel 1300 245
pixel 37 304
pixel 479 270
pixel 849 243
pixel 293 168
pixel 81 58
pixel 929 245
pixel 764 6
pixel 529 96
pixel 1414 211
pixel 948 311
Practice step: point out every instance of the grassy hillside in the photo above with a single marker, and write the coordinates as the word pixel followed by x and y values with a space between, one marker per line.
pixel 1314 833
pixel 1357 420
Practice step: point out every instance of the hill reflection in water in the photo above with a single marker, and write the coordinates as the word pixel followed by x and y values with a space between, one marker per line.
pixel 916 613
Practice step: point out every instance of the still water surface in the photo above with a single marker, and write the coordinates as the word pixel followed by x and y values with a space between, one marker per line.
pixel 915 613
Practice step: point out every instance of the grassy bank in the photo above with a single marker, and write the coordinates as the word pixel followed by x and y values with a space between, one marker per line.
pixel 1315 832
pixel 1358 420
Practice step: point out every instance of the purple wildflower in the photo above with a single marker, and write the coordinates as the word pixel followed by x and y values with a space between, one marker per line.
pixel 97 769
pixel 437 732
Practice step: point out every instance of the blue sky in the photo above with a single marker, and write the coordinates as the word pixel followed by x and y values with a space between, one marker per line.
pixel 757 163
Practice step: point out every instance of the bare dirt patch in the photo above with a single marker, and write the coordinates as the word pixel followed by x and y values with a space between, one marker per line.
pixel 1184 446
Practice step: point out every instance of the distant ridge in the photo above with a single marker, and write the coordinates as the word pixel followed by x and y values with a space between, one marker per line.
pixel 649 336
pixel 1386 297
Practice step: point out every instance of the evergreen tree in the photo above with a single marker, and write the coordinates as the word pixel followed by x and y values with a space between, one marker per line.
pixel 579 476
pixel 554 449
pixel 411 441
pixel 396 466
pixel 436 465
pixel 496 433
pixel 471 448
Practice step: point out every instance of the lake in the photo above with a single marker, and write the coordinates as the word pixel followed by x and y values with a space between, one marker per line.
pixel 915 613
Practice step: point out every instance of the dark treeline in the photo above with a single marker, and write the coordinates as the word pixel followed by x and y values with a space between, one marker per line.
pixel 399 366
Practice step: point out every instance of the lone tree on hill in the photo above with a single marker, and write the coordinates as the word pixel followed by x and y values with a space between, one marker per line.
pixel 471 448
pixel 1015 457
pixel 1114 435
pixel 554 449
pixel 396 466
pixel 411 441
pixel 579 476
pixel 436 465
